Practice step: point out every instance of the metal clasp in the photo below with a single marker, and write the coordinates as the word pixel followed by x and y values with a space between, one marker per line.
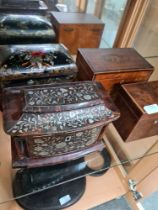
pixel 133 188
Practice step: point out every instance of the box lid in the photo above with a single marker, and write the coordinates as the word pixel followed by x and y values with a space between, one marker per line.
pixel 75 18
pixel 144 95
pixel 56 108
pixel 25 29
pixel 35 60
pixel 114 59
pixel 23 5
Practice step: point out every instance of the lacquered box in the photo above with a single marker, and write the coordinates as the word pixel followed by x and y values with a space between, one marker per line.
pixel 134 101
pixel 35 64
pixel 23 7
pixel 56 123
pixel 25 29
pixel 23 62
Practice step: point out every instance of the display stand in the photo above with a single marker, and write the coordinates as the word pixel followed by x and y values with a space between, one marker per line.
pixel 55 198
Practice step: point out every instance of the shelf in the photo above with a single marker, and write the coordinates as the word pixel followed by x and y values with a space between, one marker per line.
pixel 130 150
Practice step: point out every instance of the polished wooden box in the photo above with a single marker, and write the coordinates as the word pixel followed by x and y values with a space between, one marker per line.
pixel 77 30
pixel 135 122
pixel 112 66
pixel 56 123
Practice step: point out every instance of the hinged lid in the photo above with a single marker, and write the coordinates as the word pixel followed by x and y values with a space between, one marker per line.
pixel 114 59
pixel 56 108
pixel 75 18
pixel 144 96
pixel 31 61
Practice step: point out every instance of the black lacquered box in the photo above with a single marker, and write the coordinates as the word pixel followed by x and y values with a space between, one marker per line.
pixel 25 29
pixel 23 7
pixel 35 64
pixel 31 61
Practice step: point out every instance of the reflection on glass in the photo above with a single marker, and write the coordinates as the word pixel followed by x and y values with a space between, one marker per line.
pixel 146 40
pixel 154 62
pixel 67 6
pixel 111 16
pixel 91 6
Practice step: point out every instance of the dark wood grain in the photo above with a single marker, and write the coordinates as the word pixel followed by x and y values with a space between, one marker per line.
pixel 134 122
pixel 112 66
pixel 77 30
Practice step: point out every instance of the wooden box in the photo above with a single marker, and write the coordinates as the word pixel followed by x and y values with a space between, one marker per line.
pixel 77 30
pixel 112 66
pixel 55 123
pixel 135 122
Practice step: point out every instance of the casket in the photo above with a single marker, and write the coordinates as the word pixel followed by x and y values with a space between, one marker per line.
pixel 25 29
pixel 23 6
pixel 35 64
pixel 56 123
pixel 30 61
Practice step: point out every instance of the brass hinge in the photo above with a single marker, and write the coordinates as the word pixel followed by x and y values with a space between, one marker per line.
pixel 133 188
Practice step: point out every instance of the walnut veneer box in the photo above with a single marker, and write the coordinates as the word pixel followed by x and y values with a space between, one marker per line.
pixel 112 66
pixel 136 122
pixel 77 30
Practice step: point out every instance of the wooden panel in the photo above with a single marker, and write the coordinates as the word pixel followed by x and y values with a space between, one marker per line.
pixel 127 120
pixel 84 71
pixel 145 170
pixel 112 66
pixel 77 30
pixel 109 80
pixel 144 128
pixel 131 150
pixel 134 75
pixel 80 36
pixel 149 185
pixel 68 36
pixel 134 122
pixel 90 36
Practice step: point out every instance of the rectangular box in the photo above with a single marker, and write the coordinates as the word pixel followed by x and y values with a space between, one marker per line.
pixel 136 101
pixel 77 30
pixel 112 66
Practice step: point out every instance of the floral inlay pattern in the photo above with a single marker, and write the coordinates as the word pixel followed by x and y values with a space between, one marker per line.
pixel 45 123
pixel 48 146
pixel 61 95
pixel 27 61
